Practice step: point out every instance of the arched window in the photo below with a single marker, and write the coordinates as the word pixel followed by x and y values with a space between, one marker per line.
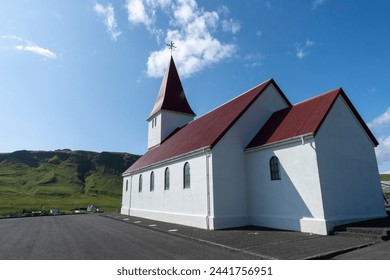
pixel 127 185
pixel 140 183
pixel 274 168
pixel 166 179
pixel 186 177
pixel 152 181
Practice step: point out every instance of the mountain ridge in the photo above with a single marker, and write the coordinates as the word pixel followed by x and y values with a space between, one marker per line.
pixel 61 179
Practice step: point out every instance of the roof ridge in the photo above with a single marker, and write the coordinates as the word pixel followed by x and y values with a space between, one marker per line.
pixel 231 100
pixel 336 90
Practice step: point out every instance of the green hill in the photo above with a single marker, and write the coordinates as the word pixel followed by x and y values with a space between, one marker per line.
pixel 61 179
pixel 385 177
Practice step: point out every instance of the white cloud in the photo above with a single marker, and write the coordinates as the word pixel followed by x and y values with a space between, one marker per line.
pixel 143 12
pixel 137 12
pixel 382 120
pixel 231 25
pixel 309 43
pixel 192 55
pixel 28 46
pixel 184 11
pixel 259 34
pixel 192 30
pixel 228 24
pixel 108 15
pixel 300 54
pixel 11 37
pixel 159 3
pixel 268 5
pixel 381 125
pixel 37 50
pixel 317 3
pixel 383 150
pixel 303 50
pixel 223 10
pixel 253 60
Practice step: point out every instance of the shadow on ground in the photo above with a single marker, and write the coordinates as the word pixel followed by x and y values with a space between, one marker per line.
pixel 265 243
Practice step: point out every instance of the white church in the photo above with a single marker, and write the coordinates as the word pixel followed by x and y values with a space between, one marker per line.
pixel 255 160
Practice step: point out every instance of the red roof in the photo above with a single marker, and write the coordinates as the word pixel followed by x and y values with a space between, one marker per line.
pixel 203 132
pixel 171 96
pixel 303 118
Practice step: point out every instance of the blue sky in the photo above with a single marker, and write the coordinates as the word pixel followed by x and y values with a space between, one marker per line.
pixel 85 74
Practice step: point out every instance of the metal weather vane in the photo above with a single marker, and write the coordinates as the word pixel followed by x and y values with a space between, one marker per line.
pixel 171 46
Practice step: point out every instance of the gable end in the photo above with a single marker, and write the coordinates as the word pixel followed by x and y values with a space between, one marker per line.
pixel 359 118
pixel 303 118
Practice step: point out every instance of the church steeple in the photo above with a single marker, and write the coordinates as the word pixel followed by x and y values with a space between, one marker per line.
pixel 171 109
pixel 171 96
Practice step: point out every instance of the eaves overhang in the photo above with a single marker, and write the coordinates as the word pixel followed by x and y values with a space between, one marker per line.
pixel 296 139
pixel 204 150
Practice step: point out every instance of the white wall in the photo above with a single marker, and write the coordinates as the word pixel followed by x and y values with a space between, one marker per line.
pixel 176 205
pixel 125 210
pixel 230 180
pixel 348 168
pixel 166 123
pixel 154 131
pixel 294 202
pixel 171 121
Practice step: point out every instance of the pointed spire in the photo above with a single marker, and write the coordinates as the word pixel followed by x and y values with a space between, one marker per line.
pixel 171 96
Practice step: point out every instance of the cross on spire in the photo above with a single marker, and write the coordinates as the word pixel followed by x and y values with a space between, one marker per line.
pixel 171 46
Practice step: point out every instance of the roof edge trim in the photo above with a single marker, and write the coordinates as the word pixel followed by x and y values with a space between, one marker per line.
pixel 290 140
pixel 175 112
pixel 173 159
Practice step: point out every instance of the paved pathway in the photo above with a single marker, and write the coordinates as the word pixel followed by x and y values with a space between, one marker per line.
pixel 263 243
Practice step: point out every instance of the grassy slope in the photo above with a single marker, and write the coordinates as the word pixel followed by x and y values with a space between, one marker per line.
pixel 385 177
pixel 75 180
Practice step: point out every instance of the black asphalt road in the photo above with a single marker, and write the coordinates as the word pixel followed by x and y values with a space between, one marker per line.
pixel 379 251
pixel 92 237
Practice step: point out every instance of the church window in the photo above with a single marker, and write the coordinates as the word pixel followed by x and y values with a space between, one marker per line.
pixel 187 177
pixel 127 185
pixel 166 179
pixel 154 122
pixel 152 181
pixel 274 168
pixel 140 183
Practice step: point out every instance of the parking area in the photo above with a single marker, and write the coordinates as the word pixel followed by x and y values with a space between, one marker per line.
pixel 115 236
pixel 93 237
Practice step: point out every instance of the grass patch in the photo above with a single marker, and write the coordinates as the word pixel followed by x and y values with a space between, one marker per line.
pixel 65 205
pixel 385 177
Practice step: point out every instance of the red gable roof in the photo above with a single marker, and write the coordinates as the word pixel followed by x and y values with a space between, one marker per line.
pixel 303 118
pixel 203 132
pixel 171 96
